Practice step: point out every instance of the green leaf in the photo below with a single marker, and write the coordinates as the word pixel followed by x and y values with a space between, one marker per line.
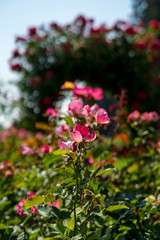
pixel 25 220
pixel 79 236
pixel 101 172
pixel 116 207
pixel 55 237
pixel 51 158
pixel 156 230
pixel 56 212
pixel 58 227
pixel 108 235
pixel 71 223
pixel 3 226
pixel 122 162
pixel 8 234
pixel 102 201
pixel 45 211
pixel 66 134
pixel 23 236
pixel 105 155
pixel 94 236
pixel 68 120
pixel 33 201
pixel 49 198
pixel 60 152
pixel 95 171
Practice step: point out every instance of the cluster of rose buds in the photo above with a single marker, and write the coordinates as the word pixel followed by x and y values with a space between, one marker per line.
pixel 33 209
pixel 145 117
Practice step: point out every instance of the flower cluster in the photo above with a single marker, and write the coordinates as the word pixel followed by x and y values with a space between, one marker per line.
pixel 88 93
pixel 92 114
pixel 88 118
pixel 145 117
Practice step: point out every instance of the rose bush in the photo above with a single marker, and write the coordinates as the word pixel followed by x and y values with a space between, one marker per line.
pixel 68 181
pixel 121 56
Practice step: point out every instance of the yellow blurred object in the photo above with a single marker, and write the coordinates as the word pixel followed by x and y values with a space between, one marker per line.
pixel 68 85
pixel 43 126
pixel 133 168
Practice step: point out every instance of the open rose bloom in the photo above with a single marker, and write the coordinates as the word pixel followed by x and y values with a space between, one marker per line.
pixel 82 133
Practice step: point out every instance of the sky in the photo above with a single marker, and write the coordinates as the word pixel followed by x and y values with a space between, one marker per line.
pixel 16 16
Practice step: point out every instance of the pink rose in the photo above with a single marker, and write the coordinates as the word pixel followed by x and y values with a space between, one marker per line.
pixel 102 117
pixel 75 107
pixel 133 116
pixel 97 93
pixel 52 112
pixel 46 149
pixel 154 24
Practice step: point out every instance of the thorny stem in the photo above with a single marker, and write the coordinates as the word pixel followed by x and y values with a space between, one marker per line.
pixel 75 200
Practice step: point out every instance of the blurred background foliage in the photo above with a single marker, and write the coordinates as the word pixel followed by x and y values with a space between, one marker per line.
pixel 123 56
pixel 146 10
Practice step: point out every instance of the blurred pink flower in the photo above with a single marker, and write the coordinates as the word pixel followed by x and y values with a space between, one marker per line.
pixel 22 133
pixel 75 107
pixel 150 116
pixel 141 44
pixel 97 93
pixel 52 112
pixel 70 145
pixel 61 129
pixel 27 150
pixel 133 116
pixel 94 110
pixel 83 91
pixel 46 149
pixel 102 117
pixel 57 203
pixel 88 92
pixel 91 161
pixel 85 110
pixel 154 24
pixel 154 116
